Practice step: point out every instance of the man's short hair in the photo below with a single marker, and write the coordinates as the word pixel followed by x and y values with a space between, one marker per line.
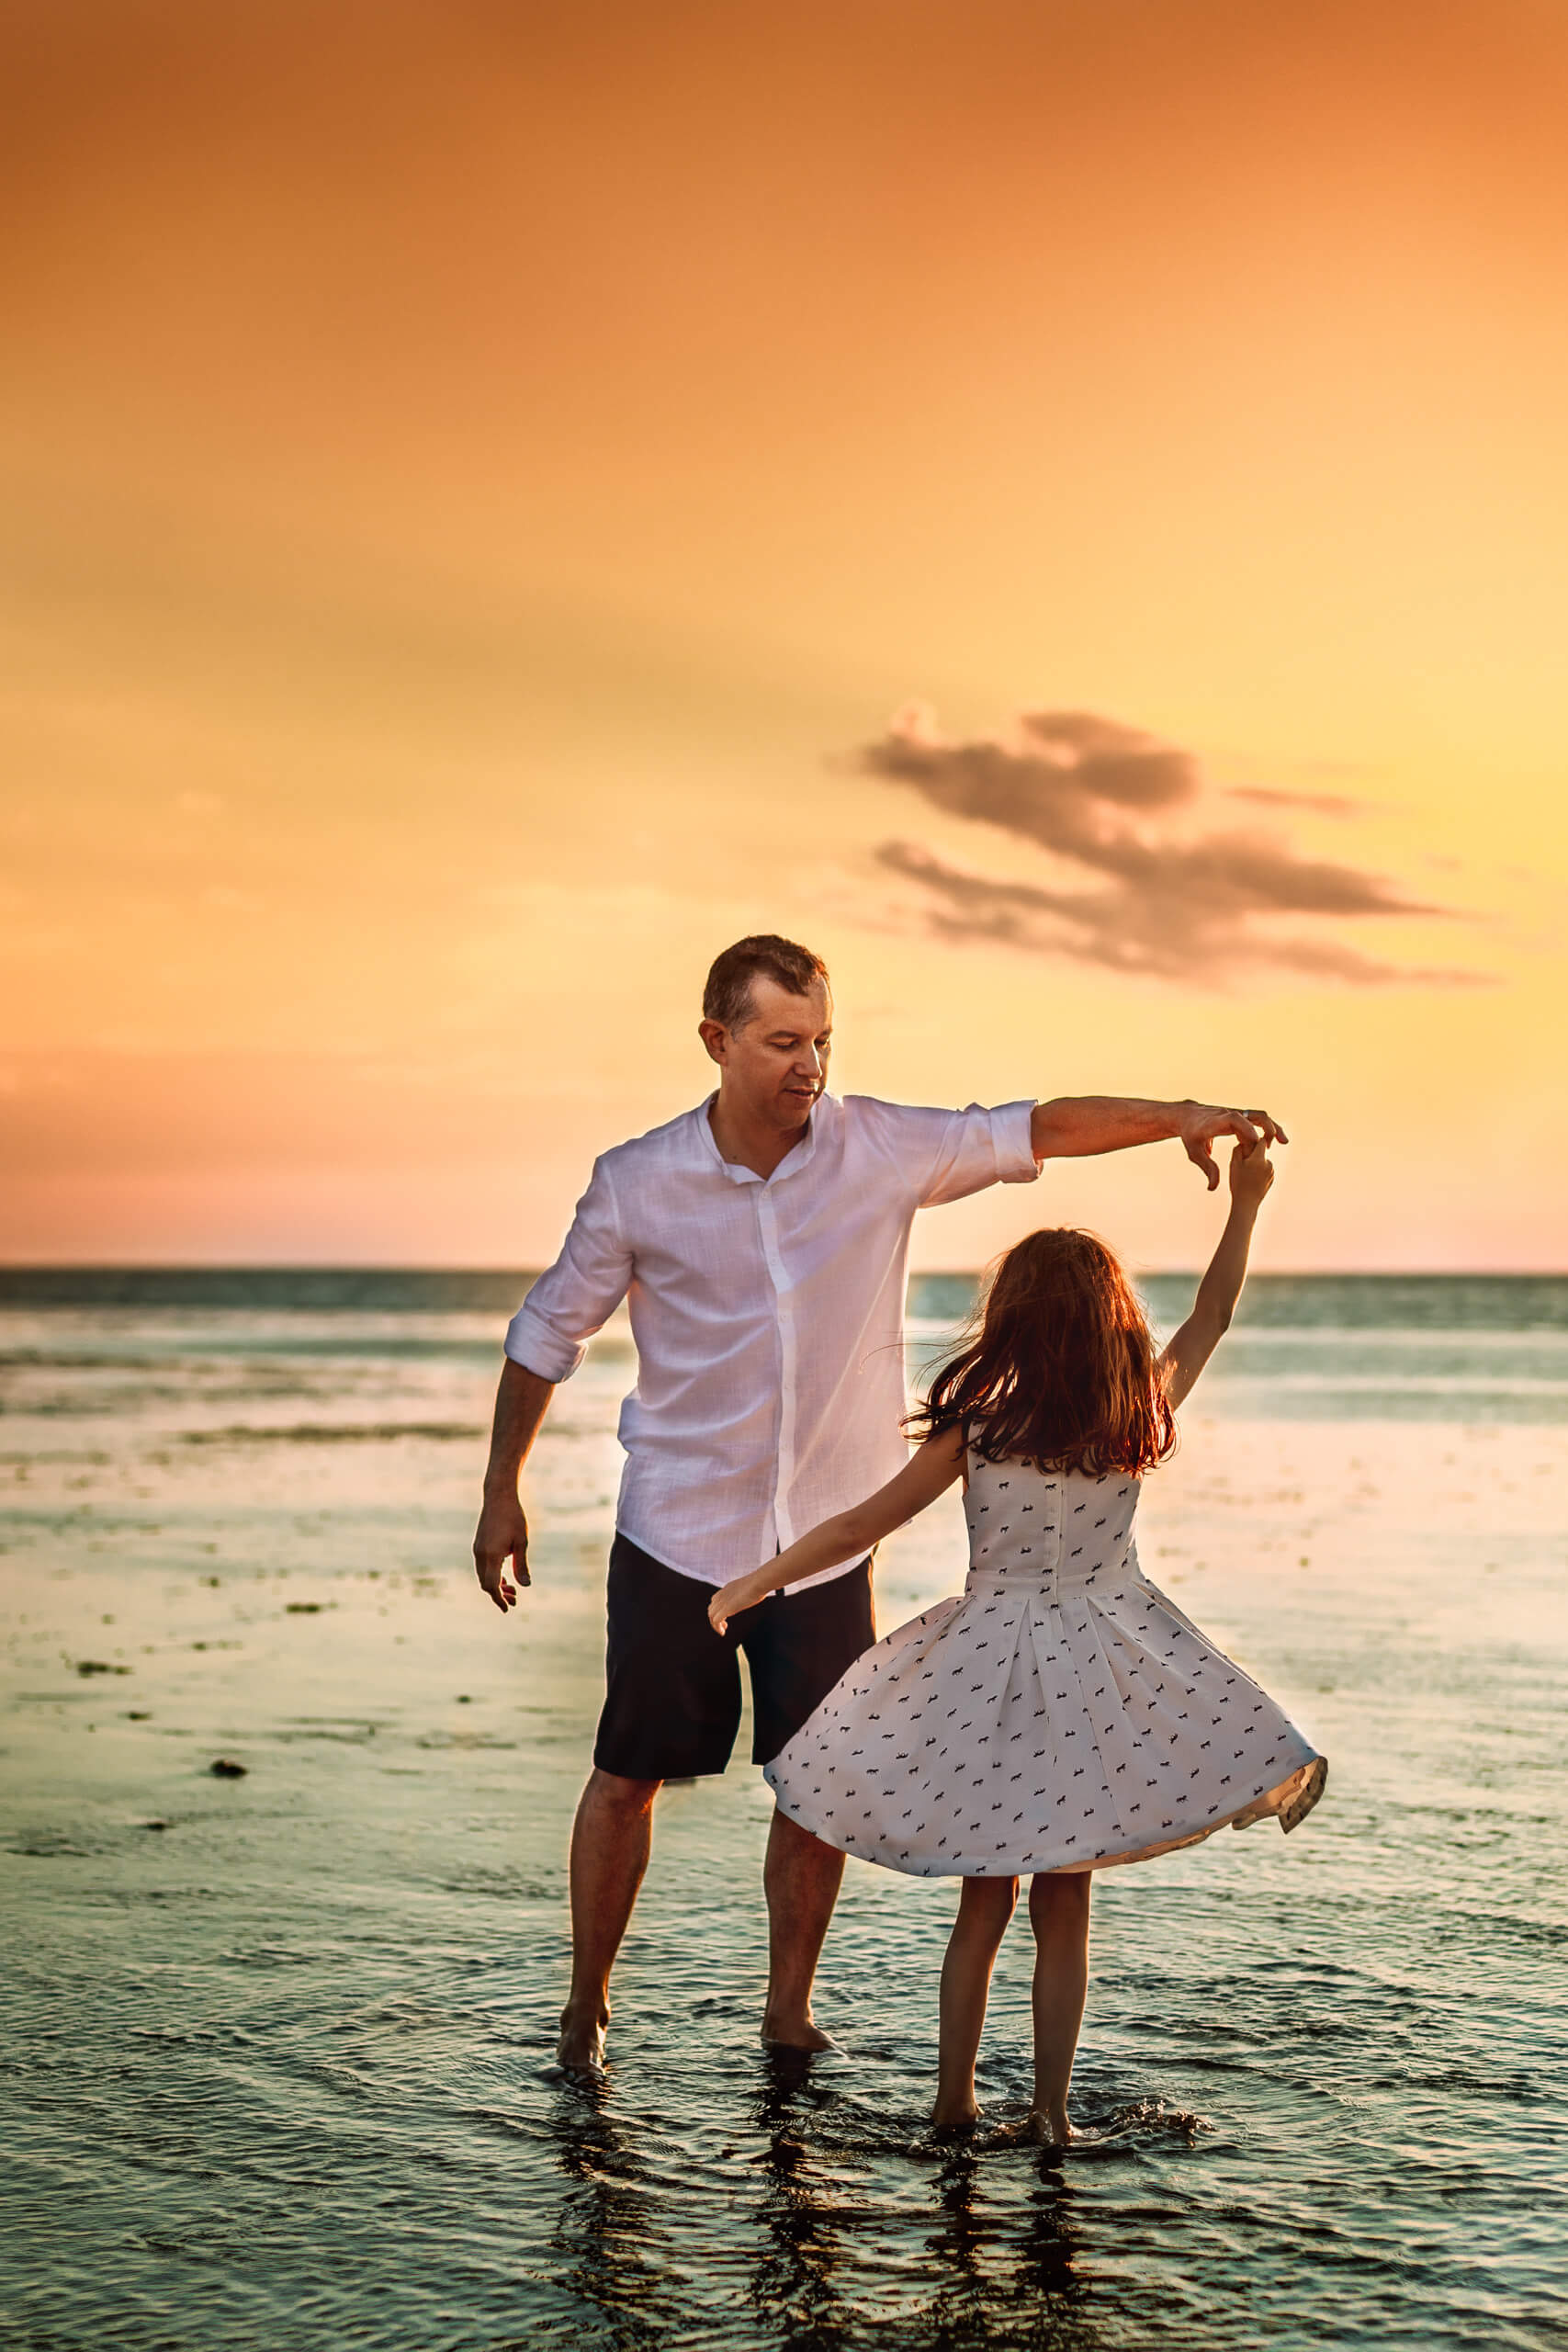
pixel 727 998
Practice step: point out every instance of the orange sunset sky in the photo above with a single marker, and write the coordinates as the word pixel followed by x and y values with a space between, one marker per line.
pixel 1063 507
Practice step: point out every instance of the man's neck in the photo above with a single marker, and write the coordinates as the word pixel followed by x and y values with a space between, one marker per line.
pixel 751 1143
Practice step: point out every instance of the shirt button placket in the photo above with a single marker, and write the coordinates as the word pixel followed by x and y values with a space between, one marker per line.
pixel 767 1219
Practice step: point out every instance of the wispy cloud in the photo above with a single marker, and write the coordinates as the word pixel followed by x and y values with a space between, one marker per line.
pixel 1120 809
pixel 1319 804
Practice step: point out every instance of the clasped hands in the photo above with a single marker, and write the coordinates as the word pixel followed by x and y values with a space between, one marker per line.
pixel 1201 1124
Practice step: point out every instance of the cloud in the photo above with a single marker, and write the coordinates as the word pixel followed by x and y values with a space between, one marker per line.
pixel 1321 804
pixel 1115 808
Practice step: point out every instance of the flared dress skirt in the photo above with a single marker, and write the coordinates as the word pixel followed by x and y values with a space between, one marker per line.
pixel 1059 1715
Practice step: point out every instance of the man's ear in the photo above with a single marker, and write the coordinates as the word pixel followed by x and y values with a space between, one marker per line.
pixel 715 1041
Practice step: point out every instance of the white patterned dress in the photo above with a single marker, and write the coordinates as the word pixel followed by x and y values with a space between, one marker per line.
pixel 1058 1714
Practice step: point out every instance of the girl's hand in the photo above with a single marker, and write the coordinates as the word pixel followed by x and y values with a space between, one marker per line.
pixel 1252 1172
pixel 729 1601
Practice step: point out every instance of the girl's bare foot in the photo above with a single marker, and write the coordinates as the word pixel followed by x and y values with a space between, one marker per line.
pixel 954 2119
pixel 1038 2130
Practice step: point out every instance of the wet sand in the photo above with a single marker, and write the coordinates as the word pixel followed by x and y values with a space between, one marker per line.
pixel 279 2069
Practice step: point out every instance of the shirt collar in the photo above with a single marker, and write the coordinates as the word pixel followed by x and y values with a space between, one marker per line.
pixel 793 1160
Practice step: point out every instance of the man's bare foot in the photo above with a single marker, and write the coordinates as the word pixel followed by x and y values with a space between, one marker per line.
pixel 581 2046
pixel 1036 2130
pixel 796 2033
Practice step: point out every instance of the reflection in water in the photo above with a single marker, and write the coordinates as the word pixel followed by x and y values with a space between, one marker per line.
pixel 992 2274
pixel 961 2249
pixel 792 2290
pixel 1005 2284
pixel 602 2231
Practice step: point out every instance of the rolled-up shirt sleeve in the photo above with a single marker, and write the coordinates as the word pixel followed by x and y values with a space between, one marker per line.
pixel 550 1331
pixel 947 1155
pixel 979 1147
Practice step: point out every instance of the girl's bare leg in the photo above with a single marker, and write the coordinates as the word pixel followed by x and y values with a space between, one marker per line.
pixel 1058 1913
pixel 984 1909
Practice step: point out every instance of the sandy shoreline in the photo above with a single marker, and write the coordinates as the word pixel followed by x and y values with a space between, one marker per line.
pixel 280 2071
pixel 353 1693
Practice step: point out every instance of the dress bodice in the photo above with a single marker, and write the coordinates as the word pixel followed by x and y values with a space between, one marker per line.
pixel 1063 1530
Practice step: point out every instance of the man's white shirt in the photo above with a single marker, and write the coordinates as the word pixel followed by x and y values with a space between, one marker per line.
pixel 768 1313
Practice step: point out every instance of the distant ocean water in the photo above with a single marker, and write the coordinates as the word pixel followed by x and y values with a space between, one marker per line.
pixel 276 2046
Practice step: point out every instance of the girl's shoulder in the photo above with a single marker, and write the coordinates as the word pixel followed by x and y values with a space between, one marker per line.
pixel 1016 1465
pixel 1004 1466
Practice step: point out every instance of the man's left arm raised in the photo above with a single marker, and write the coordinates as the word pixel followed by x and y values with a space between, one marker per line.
pixel 1077 1126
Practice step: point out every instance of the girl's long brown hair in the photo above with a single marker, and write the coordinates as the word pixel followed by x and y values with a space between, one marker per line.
pixel 1061 1371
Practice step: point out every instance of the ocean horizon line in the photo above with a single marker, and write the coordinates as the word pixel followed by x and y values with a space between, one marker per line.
pixel 22 1272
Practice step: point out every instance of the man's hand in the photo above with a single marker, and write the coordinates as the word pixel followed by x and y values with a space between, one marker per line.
pixel 1199 1124
pixel 520 1402
pixel 502 1535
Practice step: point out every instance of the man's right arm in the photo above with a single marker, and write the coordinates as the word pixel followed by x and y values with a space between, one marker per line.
pixel 546 1342
pixel 501 1534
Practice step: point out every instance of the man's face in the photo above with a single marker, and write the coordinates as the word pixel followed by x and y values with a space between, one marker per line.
pixel 775 1064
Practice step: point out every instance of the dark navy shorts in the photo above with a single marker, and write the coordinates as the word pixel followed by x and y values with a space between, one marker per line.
pixel 672 1700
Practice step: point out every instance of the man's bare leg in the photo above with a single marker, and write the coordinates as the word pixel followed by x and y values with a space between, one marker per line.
pixel 801 1877
pixel 610 1841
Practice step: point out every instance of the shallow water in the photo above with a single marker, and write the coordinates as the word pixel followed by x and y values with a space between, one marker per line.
pixel 276 2060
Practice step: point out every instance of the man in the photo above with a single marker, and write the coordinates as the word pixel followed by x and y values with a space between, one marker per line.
pixel 762 1241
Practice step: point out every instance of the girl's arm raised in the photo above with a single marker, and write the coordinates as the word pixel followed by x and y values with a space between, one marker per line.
pixel 1251 1173
pixel 853 1532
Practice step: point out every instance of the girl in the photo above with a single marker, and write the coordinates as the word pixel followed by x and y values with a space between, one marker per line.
pixel 1060 1714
